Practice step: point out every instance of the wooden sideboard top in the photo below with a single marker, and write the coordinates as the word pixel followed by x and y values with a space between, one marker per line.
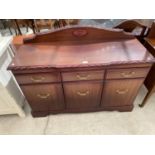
pixel 80 47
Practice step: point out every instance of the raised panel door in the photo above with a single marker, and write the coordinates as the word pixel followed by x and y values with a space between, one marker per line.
pixel 120 92
pixel 82 95
pixel 46 97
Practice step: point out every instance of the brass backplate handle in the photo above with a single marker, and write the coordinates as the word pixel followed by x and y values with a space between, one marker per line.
pixel 43 96
pixel 37 79
pixel 121 92
pixel 82 77
pixel 83 93
pixel 127 74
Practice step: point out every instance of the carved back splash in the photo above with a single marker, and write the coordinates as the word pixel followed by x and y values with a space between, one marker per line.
pixel 79 34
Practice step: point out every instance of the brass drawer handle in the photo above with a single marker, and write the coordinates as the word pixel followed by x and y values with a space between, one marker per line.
pixel 39 79
pixel 83 93
pixel 43 96
pixel 82 77
pixel 127 74
pixel 121 92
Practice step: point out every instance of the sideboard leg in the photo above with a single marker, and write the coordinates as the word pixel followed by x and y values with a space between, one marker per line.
pixel 39 113
pixel 126 108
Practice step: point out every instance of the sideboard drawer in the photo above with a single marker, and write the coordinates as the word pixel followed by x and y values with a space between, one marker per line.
pixel 127 73
pixel 38 78
pixel 83 75
pixel 44 97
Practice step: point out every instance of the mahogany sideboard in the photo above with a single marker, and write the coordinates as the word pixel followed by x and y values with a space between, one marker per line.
pixel 81 69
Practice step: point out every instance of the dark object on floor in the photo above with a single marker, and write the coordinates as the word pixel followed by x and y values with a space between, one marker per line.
pixel 136 28
pixel 150 79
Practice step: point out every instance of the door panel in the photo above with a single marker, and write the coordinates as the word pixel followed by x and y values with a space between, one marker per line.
pixel 120 92
pixel 44 97
pixel 81 95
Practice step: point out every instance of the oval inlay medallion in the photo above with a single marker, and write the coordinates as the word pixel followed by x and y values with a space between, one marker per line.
pixel 79 33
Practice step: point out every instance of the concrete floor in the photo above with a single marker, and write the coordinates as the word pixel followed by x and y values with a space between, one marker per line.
pixel 139 121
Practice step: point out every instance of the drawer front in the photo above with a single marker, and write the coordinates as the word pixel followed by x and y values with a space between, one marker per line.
pixel 83 75
pixel 120 92
pixel 82 95
pixel 38 78
pixel 127 73
pixel 44 97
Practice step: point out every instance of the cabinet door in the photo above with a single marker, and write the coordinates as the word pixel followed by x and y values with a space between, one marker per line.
pixel 120 92
pixel 81 95
pixel 44 97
